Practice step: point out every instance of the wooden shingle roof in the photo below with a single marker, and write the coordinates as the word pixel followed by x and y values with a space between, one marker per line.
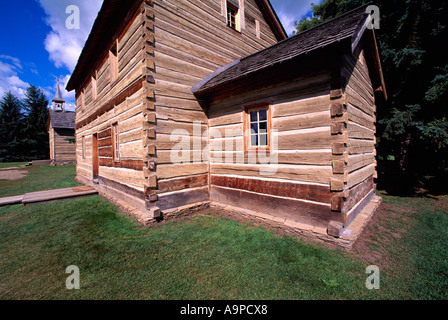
pixel 62 119
pixel 333 31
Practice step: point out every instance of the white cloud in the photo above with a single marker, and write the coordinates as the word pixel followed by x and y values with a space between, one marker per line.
pixel 10 68
pixel 288 21
pixel 64 45
pixel 290 11
pixel 69 97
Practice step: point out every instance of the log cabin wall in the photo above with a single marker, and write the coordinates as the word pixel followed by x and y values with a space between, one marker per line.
pixel 120 99
pixel 296 185
pixel 62 146
pixel 354 117
pixel 191 41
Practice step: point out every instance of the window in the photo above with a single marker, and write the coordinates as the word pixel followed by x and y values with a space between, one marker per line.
pixel 113 62
pixel 83 140
pixel 94 89
pixel 233 15
pixel 257 127
pixel 116 142
pixel 257 29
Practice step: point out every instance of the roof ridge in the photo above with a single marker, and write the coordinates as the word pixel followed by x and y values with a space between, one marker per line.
pixel 310 29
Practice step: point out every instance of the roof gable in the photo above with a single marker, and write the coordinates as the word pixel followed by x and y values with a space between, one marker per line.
pixel 344 27
pixel 106 28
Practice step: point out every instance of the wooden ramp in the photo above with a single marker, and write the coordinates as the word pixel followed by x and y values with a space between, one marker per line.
pixel 59 194
pixel 49 196
pixel 11 200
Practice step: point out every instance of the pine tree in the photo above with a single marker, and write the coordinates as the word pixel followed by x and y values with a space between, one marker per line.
pixel 11 124
pixel 35 130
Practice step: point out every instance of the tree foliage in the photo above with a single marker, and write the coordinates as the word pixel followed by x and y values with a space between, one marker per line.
pixel 23 126
pixel 35 126
pixel 412 125
pixel 11 118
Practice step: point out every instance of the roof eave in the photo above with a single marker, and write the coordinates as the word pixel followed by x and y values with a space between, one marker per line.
pixel 366 25
pixel 273 19
pixel 101 37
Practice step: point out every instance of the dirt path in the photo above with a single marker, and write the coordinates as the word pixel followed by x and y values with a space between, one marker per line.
pixel 8 174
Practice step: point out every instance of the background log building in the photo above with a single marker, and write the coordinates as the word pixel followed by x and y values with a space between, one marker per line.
pixel 186 102
pixel 61 131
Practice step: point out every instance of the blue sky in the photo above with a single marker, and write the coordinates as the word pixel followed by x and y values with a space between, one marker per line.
pixel 36 46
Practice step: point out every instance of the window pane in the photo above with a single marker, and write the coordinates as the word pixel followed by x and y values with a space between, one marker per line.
pixel 263 139
pixel 263 127
pixel 254 140
pixel 231 13
pixel 263 115
pixel 254 128
pixel 253 116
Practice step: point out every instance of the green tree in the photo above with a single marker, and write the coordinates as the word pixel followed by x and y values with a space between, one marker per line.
pixel 35 128
pixel 11 124
pixel 412 126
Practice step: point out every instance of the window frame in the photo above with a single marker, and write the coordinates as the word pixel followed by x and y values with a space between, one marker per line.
pixel 236 9
pixel 115 134
pixel 247 127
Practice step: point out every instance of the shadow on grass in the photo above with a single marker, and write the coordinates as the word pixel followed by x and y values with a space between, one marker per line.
pixel 412 185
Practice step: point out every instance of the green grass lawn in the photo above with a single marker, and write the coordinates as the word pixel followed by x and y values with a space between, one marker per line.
pixel 208 256
pixel 43 177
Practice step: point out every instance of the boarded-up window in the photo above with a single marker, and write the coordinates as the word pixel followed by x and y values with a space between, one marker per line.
pixel 113 62
pixel 83 147
pixel 257 29
pixel 82 100
pixel 94 88
pixel 257 127
pixel 116 142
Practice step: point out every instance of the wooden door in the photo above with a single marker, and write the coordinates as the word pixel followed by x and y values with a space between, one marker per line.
pixel 95 162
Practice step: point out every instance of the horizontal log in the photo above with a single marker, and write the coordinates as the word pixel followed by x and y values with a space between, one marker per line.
pixel 123 175
pixel 301 106
pixel 305 121
pixel 356 131
pixel 105 151
pixel 318 138
pixel 124 163
pixel 359 191
pixel 109 105
pixel 358 116
pixel 306 157
pixel 318 174
pixel 281 208
pixel 356 146
pixel 106 133
pixel 166 171
pixel 360 175
pixel 182 198
pixel 113 184
pixel 177 184
pixel 277 188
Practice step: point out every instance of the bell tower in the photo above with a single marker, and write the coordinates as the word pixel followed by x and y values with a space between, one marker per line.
pixel 58 101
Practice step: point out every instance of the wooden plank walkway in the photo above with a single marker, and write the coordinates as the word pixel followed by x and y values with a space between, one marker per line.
pixel 49 196
pixel 11 200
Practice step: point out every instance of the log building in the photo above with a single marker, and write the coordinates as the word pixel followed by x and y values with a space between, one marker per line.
pixel 61 131
pixel 187 102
